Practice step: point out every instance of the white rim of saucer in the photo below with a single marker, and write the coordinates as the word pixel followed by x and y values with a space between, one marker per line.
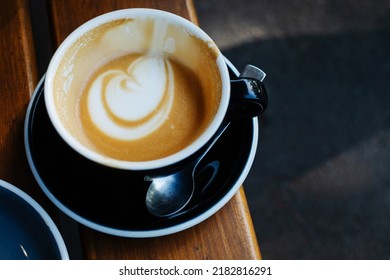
pixel 43 214
pixel 146 233
pixel 137 165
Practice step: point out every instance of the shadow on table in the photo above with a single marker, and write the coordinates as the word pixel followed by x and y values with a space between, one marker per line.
pixel 319 187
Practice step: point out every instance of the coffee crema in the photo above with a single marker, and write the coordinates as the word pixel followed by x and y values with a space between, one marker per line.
pixel 142 107
pixel 137 89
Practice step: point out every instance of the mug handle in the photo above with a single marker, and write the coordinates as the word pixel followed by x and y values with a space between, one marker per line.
pixel 248 96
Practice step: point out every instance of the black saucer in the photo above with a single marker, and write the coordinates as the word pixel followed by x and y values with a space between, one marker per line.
pixel 113 201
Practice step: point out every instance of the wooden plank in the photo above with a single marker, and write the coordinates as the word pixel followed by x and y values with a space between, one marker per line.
pixel 67 15
pixel 18 77
pixel 228 234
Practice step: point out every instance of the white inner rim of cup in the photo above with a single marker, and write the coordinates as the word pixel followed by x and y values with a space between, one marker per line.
pixel 135 165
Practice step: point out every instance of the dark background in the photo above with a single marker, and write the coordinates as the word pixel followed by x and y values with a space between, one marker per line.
pixel 320 184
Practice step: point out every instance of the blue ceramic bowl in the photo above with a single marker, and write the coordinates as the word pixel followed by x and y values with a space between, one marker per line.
pixel 26 230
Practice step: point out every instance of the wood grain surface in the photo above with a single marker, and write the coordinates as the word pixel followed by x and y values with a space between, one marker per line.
pixel 228 234
pixel 18 78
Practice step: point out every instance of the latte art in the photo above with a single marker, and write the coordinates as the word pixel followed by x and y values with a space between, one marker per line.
pixel 131 104
pixel 137 89
pixel 143 106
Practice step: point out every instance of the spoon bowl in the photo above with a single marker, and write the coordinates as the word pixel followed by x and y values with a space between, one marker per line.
pixel 169 194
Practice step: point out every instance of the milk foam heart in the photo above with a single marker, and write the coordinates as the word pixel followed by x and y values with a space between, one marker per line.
pixel 129 105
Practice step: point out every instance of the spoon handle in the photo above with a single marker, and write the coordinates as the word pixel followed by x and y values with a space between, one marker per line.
pixel 211 142
pixel 251 72
pixel 193 161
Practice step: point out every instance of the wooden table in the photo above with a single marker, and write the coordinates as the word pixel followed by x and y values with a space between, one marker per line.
pixel 228 234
